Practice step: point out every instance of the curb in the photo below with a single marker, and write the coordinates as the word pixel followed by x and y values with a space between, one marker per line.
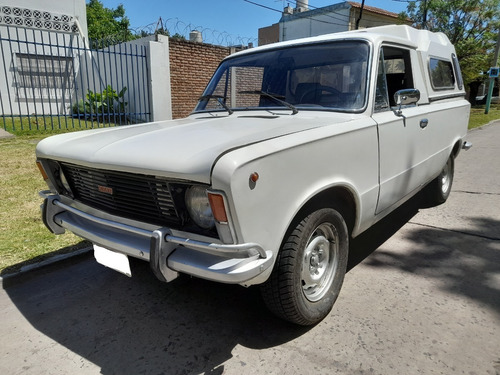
pixel 46 262
pixel 492 122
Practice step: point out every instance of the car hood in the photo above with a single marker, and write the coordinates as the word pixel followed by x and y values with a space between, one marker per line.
pixel 185 149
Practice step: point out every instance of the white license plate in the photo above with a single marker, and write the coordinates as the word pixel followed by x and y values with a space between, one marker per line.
pixel 118 262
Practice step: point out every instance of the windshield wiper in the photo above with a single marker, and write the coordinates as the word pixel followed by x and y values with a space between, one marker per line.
pixel 272 96
pixel 219 100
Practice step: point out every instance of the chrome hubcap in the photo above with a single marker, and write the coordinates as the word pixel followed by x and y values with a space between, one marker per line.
pixel 320 262
pixel 445 177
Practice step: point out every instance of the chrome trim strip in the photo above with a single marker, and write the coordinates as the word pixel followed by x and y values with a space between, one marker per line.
pixel 443 97
pixel 235 251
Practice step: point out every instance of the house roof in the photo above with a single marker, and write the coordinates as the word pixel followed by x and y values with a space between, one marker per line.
pixel 373 9
pixel 336 7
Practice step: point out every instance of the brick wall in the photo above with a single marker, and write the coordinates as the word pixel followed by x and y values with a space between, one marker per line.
pixel 191 67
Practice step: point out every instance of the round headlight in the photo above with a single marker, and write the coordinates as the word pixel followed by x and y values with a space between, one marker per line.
pixel 199 207
pixel 65 183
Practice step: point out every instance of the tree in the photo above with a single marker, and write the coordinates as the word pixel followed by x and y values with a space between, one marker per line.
pixel 471 25
pixel 107 23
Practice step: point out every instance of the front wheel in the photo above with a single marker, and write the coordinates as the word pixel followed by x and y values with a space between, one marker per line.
pixel 310 269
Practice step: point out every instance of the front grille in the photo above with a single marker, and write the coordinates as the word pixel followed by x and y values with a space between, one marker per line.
pixel 134 196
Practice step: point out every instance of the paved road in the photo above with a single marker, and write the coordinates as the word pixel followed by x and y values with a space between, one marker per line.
pixel 422 297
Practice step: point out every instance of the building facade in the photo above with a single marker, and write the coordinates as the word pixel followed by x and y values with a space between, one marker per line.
pixel 304 21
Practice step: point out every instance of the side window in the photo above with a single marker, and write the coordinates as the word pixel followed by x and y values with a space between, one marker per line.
pixel 395 69
pixel 381 97
pixel 441 73
pixel 458 72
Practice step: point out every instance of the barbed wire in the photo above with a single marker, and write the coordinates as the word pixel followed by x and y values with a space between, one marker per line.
pixel 179 28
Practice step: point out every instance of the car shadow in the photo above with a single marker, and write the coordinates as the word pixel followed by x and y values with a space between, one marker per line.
pixel 140 325
pixel 370 240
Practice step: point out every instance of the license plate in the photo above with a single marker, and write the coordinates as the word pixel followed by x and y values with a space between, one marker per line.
pixel 116 261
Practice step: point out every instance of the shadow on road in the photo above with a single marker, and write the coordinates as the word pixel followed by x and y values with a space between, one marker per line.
pixel 461 264
pixel 140 325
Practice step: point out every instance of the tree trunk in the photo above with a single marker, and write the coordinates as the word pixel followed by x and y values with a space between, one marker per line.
pixel 473 90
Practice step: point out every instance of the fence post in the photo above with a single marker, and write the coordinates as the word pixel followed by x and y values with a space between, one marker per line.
pixel 159 71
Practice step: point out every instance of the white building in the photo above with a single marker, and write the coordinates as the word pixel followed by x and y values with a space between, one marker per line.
pixel 305 21
pixel 36 62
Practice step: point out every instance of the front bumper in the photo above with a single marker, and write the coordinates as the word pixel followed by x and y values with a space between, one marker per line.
pixel 168 254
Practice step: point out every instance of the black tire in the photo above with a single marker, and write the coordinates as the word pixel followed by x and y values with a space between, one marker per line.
pixel 310 269
pixel 438 191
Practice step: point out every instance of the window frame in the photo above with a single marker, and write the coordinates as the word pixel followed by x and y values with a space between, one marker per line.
pixel 406 55
pixel 430 70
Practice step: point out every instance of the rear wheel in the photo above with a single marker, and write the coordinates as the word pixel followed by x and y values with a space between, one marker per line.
pixel 310 269
pixel 439 189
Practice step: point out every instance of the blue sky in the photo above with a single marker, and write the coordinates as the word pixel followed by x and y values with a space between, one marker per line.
pixel 226 19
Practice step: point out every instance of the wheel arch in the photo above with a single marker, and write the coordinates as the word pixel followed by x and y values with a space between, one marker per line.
pixel 456 148
pixel 340 198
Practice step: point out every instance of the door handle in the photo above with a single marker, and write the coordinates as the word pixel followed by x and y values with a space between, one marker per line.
pixel 423 123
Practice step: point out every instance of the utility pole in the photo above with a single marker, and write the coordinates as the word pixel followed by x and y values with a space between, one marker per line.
pixel 360 14
pixel 492 79
pixel 424 19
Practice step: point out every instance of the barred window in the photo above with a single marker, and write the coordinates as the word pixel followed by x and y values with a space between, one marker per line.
pixel 44 71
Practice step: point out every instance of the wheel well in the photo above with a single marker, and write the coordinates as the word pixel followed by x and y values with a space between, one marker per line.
pixel 456 148
pixel 338 198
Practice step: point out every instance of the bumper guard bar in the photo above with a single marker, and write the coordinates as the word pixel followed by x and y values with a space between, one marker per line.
pixel 168 254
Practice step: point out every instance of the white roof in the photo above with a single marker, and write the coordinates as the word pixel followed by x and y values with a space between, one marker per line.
pixel 423 40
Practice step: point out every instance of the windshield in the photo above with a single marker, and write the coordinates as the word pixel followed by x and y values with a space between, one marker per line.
pixel 331 76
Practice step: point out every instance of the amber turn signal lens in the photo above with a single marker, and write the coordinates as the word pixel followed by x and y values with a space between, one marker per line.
pixel 42 171
pixel 218 208
pixel 254 177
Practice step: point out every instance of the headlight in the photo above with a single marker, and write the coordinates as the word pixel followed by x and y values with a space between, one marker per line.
pixel 199 207
pixel 65 183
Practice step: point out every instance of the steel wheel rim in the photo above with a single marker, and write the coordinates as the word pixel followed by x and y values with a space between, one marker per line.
pixel 320 262
pixel 446 178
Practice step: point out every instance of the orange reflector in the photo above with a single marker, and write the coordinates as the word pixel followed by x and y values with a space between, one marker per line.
pixel 218 208
pixel 42 171
pixel 254 177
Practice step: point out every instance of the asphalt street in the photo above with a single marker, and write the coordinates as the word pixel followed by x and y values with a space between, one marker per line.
pixel 422 296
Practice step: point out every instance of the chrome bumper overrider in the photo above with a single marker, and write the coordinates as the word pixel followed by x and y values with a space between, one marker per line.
pixel 167 254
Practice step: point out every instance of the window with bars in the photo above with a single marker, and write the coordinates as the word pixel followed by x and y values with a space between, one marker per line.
pixel 44 71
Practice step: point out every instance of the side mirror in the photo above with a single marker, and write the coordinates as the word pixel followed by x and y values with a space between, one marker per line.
pixel 406 97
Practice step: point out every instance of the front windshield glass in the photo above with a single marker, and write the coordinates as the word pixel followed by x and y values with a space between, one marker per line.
pixel 331 76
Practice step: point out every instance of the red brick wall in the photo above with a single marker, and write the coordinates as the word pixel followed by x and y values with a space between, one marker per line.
pixel 191 67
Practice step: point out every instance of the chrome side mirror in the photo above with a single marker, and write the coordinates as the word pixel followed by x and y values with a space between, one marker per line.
pixel 406 97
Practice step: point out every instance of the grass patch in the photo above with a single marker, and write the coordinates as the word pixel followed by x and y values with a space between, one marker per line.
pixel 23 235
pixel 40 126
pixel 478 118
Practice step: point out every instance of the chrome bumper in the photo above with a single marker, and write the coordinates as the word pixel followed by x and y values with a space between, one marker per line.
pixel 167 254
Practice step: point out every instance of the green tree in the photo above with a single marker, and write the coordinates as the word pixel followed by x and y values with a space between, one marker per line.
pixel 471 25
pixel 106 23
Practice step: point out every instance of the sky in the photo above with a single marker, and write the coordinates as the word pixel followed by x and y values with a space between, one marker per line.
pixel 224 21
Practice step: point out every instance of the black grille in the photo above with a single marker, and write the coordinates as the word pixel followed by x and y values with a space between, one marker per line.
pixel 135 196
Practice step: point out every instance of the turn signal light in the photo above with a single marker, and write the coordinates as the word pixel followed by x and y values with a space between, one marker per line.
pixel 42 171
pixel 218 208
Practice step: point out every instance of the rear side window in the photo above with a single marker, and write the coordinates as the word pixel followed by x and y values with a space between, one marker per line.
pixel 442 76
pixel 458 72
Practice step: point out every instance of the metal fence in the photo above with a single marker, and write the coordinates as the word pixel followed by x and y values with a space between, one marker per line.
pixel 56 80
